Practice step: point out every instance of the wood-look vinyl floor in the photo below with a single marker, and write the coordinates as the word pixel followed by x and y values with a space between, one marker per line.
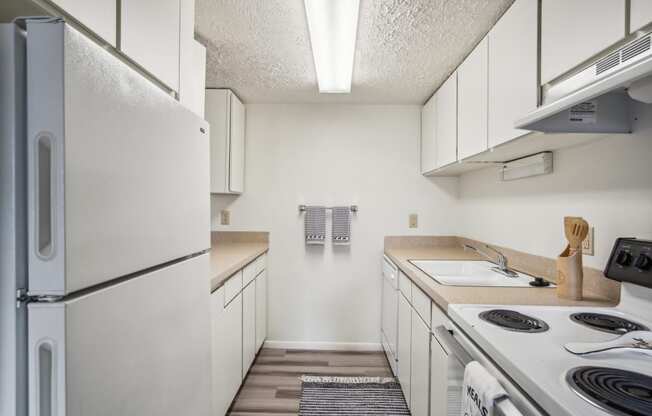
pixel 272 386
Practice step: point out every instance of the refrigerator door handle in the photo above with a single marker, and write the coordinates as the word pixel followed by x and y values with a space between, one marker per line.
pixel 45 196
pixel 45 386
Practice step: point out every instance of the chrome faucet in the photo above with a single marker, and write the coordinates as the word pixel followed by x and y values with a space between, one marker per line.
pixel 502 267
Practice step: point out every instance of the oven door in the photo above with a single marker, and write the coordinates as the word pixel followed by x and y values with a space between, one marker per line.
pixel 462 351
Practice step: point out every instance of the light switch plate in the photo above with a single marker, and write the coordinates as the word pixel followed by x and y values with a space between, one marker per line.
pixel 225 217
pixel 414 220
pixel 587 244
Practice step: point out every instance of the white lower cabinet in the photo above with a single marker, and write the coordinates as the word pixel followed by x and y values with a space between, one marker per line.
pixel 438 379
pixel 404 345
pixel 239 327
pixel 261 309
pixel 226 349
pixel 248 327
pixel 420 367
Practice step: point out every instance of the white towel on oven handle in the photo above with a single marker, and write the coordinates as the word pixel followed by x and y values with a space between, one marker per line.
pixel 480 391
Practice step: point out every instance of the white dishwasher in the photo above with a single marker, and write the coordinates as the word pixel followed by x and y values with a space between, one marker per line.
pixel 389 311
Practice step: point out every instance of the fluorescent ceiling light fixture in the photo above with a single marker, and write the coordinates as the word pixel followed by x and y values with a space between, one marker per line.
pixel 333 25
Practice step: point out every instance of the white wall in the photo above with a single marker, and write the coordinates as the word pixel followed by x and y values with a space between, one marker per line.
pixel 608 182
pixel 330 154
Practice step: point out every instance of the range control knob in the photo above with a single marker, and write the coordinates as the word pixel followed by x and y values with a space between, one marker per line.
pixel 623 258
pixel 643 262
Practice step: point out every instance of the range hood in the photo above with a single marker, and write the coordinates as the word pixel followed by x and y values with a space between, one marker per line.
pixel 598 98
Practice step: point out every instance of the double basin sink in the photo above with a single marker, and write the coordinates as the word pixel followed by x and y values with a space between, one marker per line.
pixel 469 273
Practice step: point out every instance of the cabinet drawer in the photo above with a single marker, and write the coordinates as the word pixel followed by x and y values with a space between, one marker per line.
pixel 421 304
pixel 260 264
pixel 405 286
pixel 232 287
pixel 249 273
pixel 438 316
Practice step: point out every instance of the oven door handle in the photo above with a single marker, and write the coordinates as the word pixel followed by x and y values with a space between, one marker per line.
pixel 445 337
pixel 503 406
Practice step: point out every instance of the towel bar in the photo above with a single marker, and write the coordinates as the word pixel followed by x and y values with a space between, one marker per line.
pixel 353 208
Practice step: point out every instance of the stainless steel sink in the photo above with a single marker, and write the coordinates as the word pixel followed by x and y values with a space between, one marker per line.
pixel 469 273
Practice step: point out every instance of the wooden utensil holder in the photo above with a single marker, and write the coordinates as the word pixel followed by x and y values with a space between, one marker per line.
pixel 569 274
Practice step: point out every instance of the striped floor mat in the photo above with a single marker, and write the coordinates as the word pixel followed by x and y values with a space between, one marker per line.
pixel 351 396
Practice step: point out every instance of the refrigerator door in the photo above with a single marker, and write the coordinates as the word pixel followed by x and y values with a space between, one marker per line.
pixel 140 347
pixel 118 170
pixel 13 225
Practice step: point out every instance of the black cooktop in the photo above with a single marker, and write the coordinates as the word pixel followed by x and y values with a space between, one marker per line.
pixel 513 321
pixel 607 323
pixel 618 392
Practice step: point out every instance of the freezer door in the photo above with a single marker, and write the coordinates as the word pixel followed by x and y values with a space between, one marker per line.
pixel 141 347
pixel 118 170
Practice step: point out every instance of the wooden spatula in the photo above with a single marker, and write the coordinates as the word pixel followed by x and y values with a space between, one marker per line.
pixel 576 229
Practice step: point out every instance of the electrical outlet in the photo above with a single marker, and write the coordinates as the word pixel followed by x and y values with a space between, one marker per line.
pixel 587 244
pixel 414 220
pixel 225 217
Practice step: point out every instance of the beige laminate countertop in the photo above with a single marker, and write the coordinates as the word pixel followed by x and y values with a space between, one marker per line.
pixel 231 253
pixel 445 295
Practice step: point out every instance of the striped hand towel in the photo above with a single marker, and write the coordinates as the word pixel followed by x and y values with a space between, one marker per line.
pixel 341 234
pixel 315 224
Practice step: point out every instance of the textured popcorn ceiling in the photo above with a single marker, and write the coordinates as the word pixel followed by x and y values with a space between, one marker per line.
pixel 405 48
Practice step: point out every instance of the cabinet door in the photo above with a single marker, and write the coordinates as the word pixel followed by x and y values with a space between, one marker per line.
pixel 640 14
pixel 472 84
pixel 446 122
pixel 438 379
pixel 261 309
pixel 428 138
pixel 149 34
pixel 248 327
pixel 404 345
pixel 573 31
pixel 513 68
pixel 218 105
pixel 420 373
pixel 237 146
pixel 192 61
pixel 227 350
pixel 97 15
pixel 389 314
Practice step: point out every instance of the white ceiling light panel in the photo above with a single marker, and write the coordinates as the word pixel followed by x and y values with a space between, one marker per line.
pixel 333 25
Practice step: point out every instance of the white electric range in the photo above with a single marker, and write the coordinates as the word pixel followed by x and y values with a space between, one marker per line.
pixel 527 344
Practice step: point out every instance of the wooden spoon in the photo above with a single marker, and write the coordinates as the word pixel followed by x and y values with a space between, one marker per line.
pixel 576 230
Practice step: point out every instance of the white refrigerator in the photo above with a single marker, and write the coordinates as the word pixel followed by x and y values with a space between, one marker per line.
pixel 104 233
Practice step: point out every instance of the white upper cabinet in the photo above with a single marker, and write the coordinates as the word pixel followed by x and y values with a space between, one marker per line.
pixel 237 151
pixel 99 16
pixel 640 14
pixel 446 122
pixel 192 61
pixel 513 67
pixel 574 31
pixel 226 115
pixel 149 34
pixel 428 138
pixel 472 84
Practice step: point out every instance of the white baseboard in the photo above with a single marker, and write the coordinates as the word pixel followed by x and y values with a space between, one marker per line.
pixel 324 346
